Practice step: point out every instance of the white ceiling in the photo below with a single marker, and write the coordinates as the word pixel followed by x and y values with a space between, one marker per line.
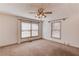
pixel 23 9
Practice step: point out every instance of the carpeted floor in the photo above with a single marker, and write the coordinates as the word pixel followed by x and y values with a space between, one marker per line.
pixel 39 48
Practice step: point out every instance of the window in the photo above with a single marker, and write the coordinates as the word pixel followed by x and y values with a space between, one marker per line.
pixel 34 29
pixel 29 29
pixel 25 27
pixel 56 29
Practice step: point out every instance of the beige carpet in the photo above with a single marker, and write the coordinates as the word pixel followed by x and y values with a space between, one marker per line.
pixel 39 48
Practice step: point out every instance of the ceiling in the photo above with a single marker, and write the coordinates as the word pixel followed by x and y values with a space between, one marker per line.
pixel 22 9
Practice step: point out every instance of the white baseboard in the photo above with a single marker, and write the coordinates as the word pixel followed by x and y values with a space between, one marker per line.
pixel 65 43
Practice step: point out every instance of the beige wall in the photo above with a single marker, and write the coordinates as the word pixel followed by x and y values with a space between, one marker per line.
pixel 70 27
pixel 10 30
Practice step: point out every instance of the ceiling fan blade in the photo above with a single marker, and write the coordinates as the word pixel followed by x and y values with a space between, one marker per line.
pixel 48 12
pixel 32 12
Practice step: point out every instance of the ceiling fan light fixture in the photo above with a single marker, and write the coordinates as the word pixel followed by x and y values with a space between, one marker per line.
pixel 40 16
pixel 41 13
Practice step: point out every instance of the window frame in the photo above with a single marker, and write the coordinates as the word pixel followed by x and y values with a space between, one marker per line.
pixel 35 30
pixel 55 29
pixel 30 22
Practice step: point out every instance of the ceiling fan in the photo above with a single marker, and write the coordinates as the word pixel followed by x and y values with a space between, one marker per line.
pixel 41 13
